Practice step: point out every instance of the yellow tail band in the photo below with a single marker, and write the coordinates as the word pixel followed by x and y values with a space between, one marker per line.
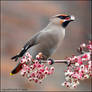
pixel 11 74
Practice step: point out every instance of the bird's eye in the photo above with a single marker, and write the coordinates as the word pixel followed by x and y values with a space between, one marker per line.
pixel 67 18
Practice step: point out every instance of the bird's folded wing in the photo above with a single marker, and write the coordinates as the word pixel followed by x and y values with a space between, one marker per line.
pixel 30 43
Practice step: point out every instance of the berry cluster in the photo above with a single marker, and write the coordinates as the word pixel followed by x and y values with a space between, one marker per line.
pixel 34 70
pixel 80 67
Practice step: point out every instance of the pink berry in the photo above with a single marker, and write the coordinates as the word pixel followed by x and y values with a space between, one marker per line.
pixel 52 68
pixel 33 74
pixel 40 81
pixel 45 71
pixel 42 70
pixel 36 80
pixel 49 73
pixel 67 85
pixel 37 57
pixel 46 68
pixel 22 61
pixel 24 57
pixel 30 79
pixel 39 66
pixel 49 62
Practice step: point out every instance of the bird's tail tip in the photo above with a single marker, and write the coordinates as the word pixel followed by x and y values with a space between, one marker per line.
pixel 11 74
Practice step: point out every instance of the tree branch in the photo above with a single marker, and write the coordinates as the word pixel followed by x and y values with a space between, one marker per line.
pixel 66 61
pixel 56 61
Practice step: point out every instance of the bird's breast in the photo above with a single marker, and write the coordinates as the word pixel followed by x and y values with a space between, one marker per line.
pixel 50 39
pixel 47 42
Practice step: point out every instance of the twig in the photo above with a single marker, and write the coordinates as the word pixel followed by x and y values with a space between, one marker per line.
pixel 66 61
pixel 56 61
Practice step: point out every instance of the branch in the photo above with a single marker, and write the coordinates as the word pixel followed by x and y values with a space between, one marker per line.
pixel 66 61
pixel 56 61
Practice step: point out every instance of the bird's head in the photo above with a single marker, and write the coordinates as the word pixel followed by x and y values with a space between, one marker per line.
pixel 62 19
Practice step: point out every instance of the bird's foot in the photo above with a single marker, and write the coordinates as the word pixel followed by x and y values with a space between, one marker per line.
pixel 50 61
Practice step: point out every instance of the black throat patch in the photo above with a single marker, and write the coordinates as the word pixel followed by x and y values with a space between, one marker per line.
pixel 65 24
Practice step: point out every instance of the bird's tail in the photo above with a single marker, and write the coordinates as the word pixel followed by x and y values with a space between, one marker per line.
pixel 16 69
pixel 19 65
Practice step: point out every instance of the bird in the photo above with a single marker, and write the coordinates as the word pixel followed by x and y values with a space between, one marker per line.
pixel 45 41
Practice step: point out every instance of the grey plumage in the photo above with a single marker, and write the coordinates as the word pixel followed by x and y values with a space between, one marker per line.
pixel 47 40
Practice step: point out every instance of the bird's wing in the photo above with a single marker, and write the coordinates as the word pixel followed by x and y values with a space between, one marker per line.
pixel 30 43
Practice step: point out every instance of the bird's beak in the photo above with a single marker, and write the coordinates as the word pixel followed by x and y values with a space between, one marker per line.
pixel 72 18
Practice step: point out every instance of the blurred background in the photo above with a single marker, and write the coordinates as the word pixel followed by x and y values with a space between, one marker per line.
pixel 22 19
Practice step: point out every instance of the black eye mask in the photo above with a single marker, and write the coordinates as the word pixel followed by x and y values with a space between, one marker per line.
pixel 62 17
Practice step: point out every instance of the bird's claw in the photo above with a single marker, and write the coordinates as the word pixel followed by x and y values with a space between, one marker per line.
pixel 52 61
